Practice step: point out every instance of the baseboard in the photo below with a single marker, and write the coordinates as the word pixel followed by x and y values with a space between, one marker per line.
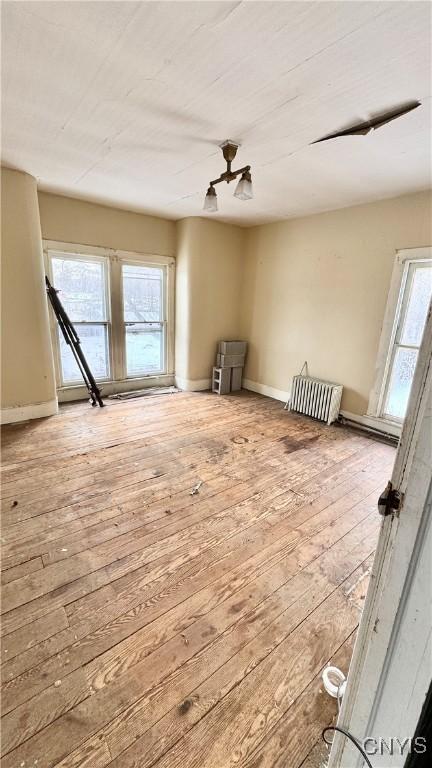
pixel 372 423
pixel 27 412
pixel 192 385
pixel 367 422
pixel 263 389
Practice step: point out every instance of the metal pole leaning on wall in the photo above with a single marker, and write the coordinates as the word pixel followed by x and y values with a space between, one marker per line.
pixel 72 340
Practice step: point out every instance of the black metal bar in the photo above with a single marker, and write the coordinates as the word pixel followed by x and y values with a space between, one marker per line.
pixel 72 340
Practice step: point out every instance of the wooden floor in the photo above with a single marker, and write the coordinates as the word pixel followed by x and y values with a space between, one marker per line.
pixel 146 625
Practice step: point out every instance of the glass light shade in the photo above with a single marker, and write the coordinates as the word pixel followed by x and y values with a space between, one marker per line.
pixel 210 201
pixel 244 189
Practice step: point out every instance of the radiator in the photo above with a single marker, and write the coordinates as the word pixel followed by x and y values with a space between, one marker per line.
pixel 319 399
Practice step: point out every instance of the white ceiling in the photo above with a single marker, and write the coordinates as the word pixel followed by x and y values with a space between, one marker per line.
pixel 126 102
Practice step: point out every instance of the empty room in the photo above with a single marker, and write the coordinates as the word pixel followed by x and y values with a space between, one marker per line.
pixel 216 384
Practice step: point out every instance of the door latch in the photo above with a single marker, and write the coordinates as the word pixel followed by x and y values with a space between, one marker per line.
pixel 390 501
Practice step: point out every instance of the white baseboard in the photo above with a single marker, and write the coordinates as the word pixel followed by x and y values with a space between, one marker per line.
pixel 371 422
pixel 27 412
pixel 368 422
pixel 192 385
pixel 263 389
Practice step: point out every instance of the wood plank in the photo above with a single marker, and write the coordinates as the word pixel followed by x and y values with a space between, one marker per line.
pixel 318 756
pixel 296 734
pixel 131 588
pixel 78 470
pixel 137 647
pixel 234 728
pixel 135 682
pixel 277 617
pixel 130 592
pixel 46 521
pixel 144 626
pixel 22 640
pixel 18 571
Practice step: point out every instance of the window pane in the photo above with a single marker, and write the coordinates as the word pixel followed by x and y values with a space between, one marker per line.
pixel 82 288
pixel 144 349
pixel 418 303
pixel 142 293
pixel 401 377
pixel 94 344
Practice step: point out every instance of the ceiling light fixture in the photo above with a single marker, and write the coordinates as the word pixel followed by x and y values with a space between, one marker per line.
pixel 243 190
pixel 210 200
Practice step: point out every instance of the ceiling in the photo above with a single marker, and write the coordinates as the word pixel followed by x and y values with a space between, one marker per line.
pixel 126 103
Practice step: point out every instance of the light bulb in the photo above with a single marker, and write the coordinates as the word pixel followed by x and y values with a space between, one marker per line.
pixel 244 189
pixel 210 200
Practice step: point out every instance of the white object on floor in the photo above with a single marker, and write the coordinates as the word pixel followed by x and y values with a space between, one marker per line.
pixel 144 393
pixel 334 682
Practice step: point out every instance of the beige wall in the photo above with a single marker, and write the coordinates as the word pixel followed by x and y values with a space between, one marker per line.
pixel 77 221
pixel 27 373
pixel 210 258
pixel 315 289
pixel 312 288
pixel 208 269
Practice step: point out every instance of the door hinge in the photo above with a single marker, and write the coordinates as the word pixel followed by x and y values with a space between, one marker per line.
pixel 390 501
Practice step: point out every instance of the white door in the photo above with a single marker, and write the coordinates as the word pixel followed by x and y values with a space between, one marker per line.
pixel 391 668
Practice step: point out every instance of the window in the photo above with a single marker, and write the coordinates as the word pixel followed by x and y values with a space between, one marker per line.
pixel 409 299
pixel 121 305
pixel 414 304
pixel 82 286
pixel 143 314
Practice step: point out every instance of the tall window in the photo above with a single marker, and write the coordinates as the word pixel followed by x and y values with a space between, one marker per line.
pixel 121 306
pixel 414 302
pixel 407 308
pixel 143 313
pixel 83 289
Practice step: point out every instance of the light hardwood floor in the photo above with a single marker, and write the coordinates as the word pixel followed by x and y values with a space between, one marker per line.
pixel 147 626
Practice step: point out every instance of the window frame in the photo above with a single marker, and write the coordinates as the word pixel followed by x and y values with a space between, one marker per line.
pixel 114 259
pixel 126 260
pixel 394 313
pixel 55 331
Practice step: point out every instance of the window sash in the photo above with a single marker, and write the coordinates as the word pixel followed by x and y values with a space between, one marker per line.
pixel 133 372
pixel 87 258
pixel 107 338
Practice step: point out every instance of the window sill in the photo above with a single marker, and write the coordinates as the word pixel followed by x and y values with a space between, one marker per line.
pixel 386 427
pixel 79 391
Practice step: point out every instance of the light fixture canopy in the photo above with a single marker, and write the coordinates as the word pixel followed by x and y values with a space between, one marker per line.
pixel 210 200
pixel 243 190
